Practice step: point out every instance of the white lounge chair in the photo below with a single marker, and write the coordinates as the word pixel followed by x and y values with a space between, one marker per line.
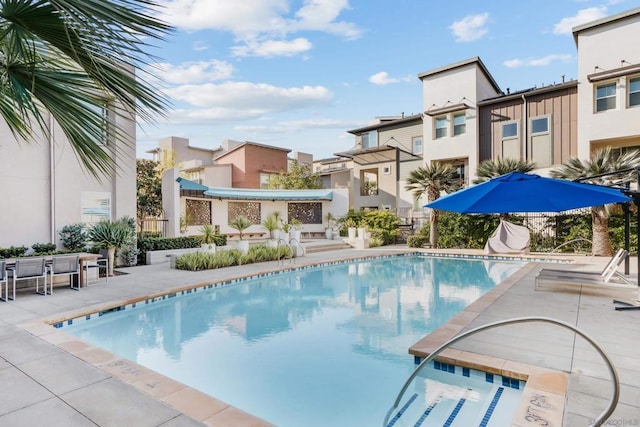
pixel 3 279
pixel 609 276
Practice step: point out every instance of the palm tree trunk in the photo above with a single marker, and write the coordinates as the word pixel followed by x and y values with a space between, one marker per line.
pixel 600 225
pixel 433 228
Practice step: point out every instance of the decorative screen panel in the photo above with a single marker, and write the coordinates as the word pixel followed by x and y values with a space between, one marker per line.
pixel 198 212
pixel 306 213
pixel 250 210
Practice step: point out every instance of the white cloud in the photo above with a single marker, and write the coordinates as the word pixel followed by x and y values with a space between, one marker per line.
pixel 251 19
pixel 272 48
pixel 537 62
pixel 230 101
pixel 382 78
pixel 194 72
pixel 200 45
pixel 470 27
pixel 583 16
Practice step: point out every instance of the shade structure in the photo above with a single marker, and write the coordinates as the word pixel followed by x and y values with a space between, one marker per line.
pixel 520 192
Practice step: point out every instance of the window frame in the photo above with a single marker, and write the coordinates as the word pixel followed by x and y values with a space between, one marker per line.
pixel 506 123
pixel 369 139
pixel 596 98
pixel 453 123
pixel 547 117
pixel 629 92
pixel 445 119
pixel 413 145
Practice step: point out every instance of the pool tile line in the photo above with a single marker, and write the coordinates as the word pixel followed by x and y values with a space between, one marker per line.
pixel 492 407
pixel 456 410
pixel 450 368
pixel 402 410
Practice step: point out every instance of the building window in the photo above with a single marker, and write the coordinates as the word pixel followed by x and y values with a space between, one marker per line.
pixel 459 124
pixel 606 97
pixel 441 127
pixel 540 142
pixel 416 145
pixel 369 139
pixel 265 179
pixel 634 91
pixel 510 130
pixel 95 206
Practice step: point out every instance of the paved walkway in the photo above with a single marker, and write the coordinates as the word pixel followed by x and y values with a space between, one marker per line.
pixel 45 382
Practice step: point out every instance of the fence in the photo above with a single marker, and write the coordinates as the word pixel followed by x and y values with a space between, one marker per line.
pixel 152 227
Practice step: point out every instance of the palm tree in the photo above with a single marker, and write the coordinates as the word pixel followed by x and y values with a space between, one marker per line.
pixel 602 161
pixel 73 60
pixel 432 180
pixel 493 168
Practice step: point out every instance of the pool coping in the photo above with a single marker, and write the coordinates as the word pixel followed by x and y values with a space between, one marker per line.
pixel 212 411
pixel 544 395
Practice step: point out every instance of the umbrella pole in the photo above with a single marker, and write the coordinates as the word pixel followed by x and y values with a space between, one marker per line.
pixel 627 304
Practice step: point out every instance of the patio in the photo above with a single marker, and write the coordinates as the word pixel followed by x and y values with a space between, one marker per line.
pixel 46 374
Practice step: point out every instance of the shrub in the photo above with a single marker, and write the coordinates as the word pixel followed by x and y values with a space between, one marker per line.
pixel 44 248
pixel 417 241
pixel 164 243
pixel 206 260
pixel 73 237
pixel 13 252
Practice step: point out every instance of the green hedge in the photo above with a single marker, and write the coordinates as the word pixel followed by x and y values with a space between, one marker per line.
pixel 164 243
pixel 206 261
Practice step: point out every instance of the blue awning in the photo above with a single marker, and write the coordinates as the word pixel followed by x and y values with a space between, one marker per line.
pixel 185 184
pixel 254 194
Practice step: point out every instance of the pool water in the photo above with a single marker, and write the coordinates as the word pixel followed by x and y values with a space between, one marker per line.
pixel 311 347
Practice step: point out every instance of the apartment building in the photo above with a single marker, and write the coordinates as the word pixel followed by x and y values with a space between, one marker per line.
pixel 235 164
pixel 609 76
pixel 46 188
pixel 385 152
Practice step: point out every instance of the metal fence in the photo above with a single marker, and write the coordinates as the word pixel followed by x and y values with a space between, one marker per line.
pixel 152 227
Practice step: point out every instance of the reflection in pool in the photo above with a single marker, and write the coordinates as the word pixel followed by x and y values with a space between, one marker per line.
pixel 314 347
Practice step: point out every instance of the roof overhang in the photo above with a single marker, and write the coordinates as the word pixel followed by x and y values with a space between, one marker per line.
pixel 284 195
pixel 448 109
pixel 374 155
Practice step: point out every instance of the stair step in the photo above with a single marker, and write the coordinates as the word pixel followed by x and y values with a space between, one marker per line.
pixel 325 248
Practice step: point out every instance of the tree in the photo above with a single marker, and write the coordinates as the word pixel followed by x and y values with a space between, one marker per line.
pixel 494 168
pixel 432 180
pixel 74 60
pixel 602 161
pixel 149 189
pixel 299 177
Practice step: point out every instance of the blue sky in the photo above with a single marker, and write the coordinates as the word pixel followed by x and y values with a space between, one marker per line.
pixel 300 73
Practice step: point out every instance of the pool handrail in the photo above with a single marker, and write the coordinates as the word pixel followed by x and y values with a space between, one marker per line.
pixel 280 239
pixel 298 244
pixel 612 370
pixel 577 239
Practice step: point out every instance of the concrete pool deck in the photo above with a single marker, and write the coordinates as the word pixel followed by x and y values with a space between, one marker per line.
pixel 48 375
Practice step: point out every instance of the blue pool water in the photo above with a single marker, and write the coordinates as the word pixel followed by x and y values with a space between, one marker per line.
pixel 312 347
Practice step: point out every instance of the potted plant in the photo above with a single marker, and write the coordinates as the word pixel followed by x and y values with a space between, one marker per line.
pixel 276 232
pixel 271 224
pixel 362 229
pixel 350 224
pixel 286 227
pixel 296 229
pixel 208 238
pixel 111 235
pixel 241 223
pixel 330 223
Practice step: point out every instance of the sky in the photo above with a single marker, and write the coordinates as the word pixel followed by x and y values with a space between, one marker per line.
pixel 299 74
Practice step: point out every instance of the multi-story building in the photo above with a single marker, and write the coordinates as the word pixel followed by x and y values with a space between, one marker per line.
pixel 609 76
pixel 384 154
pixel 45 188
pixel 235 164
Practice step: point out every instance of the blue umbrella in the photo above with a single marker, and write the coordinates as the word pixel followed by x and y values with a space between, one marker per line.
pixel 520 192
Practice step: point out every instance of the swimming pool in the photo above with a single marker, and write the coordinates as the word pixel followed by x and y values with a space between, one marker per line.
pixel 314 347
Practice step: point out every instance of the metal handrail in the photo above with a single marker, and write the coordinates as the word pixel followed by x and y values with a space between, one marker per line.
pixel 577 239
pixel 298 244
pixel 280 239
pixel 612 370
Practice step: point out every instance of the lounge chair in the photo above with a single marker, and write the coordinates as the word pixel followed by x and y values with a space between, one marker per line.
pixel 609 276
pixel 100 263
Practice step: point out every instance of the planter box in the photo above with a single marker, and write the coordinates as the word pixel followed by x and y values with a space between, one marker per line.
pixel 158 257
